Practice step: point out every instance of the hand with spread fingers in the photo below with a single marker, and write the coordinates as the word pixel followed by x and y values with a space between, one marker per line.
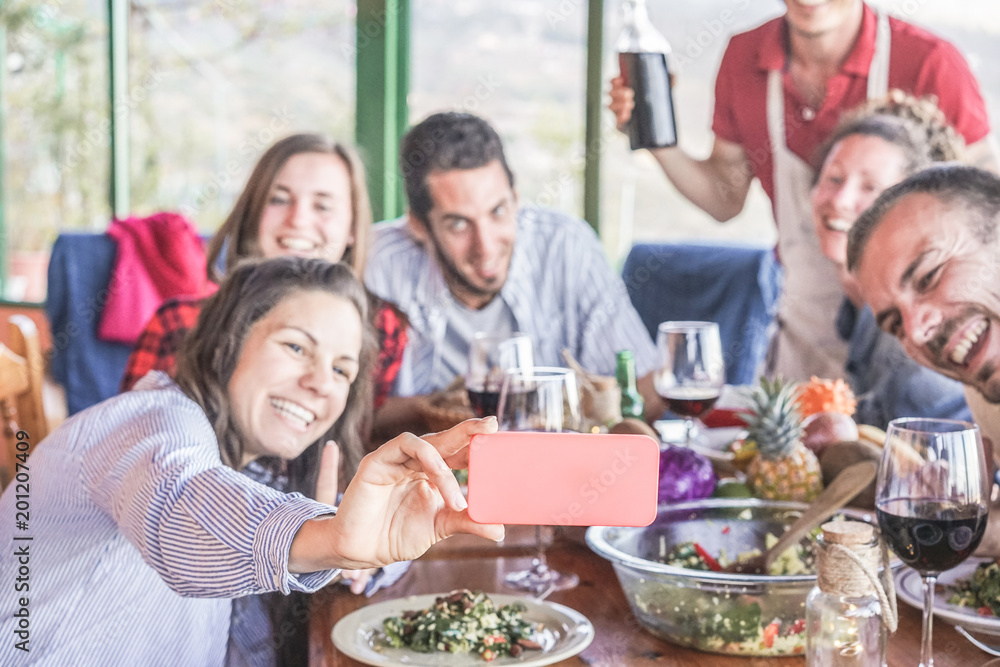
pixel 403 499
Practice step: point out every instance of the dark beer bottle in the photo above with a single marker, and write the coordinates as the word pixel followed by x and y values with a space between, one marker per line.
pixel 642 59
pixel 631 401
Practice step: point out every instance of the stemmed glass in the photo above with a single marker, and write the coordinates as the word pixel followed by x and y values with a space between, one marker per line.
pixel 691 372
pixel 540 399
pixel 490 354
pixel 932 499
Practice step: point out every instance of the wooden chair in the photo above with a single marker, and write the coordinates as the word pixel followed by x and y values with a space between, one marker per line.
pixel 21 378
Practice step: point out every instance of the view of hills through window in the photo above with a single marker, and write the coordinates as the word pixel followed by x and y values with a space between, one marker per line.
pixel 213 82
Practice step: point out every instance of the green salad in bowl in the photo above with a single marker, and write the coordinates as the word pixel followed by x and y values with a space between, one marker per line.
pixel 671 574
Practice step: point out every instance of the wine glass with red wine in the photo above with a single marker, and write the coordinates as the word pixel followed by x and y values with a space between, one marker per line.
pixel 932 499
pixel 691 372
pixel 545 399
pixel 490 354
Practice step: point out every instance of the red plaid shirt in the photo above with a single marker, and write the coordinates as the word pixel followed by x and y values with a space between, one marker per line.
pixel 156 349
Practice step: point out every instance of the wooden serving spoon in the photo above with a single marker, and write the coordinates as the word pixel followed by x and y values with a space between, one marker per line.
pixel 849 483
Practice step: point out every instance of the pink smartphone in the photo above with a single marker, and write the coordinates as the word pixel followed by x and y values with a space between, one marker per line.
pixel 563 479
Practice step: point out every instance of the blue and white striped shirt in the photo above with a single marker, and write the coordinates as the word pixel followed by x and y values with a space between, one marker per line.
pixel 139 535
pixel 560 289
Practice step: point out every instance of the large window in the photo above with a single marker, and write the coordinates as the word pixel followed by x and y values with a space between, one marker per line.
pixel 55 130
pixel 213 82
pixel 519 64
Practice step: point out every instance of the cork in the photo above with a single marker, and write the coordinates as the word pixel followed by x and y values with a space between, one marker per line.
pixel 848 533
pixel 837 571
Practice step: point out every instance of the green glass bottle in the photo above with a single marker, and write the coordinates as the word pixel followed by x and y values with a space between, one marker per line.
pixel 632 405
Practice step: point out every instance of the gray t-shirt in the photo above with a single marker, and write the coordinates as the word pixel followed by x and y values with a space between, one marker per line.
pixel 560 289
pixel 463 324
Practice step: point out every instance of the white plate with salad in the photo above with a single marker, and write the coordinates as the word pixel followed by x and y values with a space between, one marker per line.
pixel 909 588
pixel 560 632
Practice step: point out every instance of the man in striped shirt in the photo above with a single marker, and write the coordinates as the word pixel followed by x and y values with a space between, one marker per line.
pixel 466 258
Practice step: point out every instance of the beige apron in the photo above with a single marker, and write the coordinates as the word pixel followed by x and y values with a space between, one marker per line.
pixel 806 342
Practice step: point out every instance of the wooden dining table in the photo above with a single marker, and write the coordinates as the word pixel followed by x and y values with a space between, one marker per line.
pixel 620 640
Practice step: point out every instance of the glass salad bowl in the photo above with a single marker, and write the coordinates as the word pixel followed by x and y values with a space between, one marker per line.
pixel 717 612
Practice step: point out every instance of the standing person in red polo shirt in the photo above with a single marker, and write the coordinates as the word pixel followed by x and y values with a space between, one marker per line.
pixel 780 90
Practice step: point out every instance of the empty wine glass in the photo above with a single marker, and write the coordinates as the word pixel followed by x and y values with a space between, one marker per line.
pixel 932 499
pixel 691 371
pixel 490 354
pixel 540 399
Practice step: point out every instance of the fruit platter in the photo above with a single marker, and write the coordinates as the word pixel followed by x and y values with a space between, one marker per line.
pixel 783 442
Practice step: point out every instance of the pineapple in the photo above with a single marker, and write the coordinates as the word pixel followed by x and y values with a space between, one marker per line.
pixel 784 469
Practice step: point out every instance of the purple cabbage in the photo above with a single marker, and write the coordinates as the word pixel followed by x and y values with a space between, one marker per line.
pixel 684 475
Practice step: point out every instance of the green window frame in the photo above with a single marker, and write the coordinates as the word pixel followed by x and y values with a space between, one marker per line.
pixel 383 79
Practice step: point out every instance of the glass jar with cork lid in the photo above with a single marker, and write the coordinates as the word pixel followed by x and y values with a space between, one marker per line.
pixel 848 612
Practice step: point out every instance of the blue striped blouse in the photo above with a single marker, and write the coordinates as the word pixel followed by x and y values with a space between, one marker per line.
pixel 135 537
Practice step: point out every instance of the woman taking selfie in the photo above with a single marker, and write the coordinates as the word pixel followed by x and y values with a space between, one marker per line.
pixel 142 527
pixel 306 197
